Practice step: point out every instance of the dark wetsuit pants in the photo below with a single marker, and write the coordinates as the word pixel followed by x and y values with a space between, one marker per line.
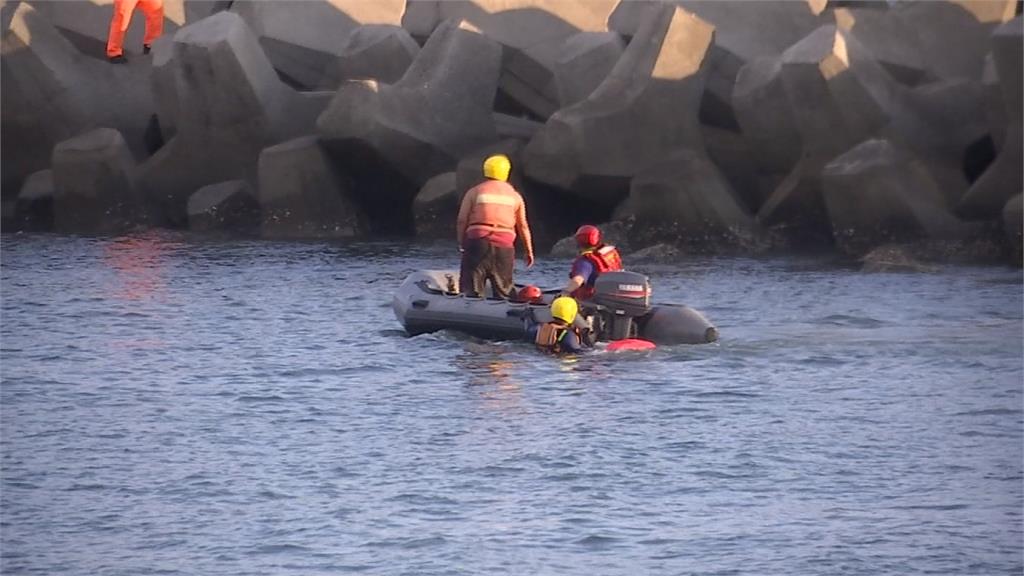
pixel 484 261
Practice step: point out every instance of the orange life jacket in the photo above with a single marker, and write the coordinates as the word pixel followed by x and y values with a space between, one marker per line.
pixel 605 258
pixel 494 206
pixel 550 335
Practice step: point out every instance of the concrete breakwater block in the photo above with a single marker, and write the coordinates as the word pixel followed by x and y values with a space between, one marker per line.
pixel 752 102
pixel 838 97
pixel 52 92
pixel 380 52
pixel 302 196
pixel 586 60
pixel 421 125
pixel 744 31
pixel 40 105
pixel 894 42
pixel 969 22
pixel 686 198
pixel 995 113
pixel 230 105
pixel 1013 228
pixel 594 147
pixel 1004 178
pixel 878 193
pixel 762 109
pixel 940 121
pixel 766 119
pixel 303 40
pixel 229 206
pixel 530 32
pixel 34 207
pixel 164 84
pixel 94 188
pixel 436 207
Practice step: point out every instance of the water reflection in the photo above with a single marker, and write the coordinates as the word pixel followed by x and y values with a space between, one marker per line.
pixel 499 372
pixel 595 366
pixel 492 372
pixel 139 264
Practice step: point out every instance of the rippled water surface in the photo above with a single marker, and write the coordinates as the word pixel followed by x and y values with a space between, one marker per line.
pixel 171 405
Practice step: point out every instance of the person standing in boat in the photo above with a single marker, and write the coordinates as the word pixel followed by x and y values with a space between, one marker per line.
pixel 595 258
pixel 491 216
pixel 560 336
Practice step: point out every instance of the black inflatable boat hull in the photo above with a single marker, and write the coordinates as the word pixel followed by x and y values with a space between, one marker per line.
pixel 423 304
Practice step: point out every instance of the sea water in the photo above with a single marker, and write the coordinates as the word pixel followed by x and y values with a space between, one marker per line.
pixel 173 404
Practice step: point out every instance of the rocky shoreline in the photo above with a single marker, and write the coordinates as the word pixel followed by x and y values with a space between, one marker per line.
pixel 694 126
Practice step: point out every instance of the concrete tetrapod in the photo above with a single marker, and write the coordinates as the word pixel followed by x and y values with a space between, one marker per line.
pixel 645 109
pixel 230 105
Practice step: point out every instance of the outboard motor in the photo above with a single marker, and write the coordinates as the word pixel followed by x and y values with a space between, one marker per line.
pixel 620 298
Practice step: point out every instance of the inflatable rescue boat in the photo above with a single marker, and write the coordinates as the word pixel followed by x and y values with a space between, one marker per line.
pixel 428 301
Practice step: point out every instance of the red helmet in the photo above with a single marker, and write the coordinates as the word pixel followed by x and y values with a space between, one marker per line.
pixel 588 236
pixel 529 293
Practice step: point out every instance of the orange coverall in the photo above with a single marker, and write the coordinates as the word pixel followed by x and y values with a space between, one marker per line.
pixel 154 11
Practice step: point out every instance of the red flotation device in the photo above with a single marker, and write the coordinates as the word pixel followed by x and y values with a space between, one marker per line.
pixel 631 344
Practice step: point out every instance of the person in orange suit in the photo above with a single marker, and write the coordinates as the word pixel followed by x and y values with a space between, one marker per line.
pixel 154 11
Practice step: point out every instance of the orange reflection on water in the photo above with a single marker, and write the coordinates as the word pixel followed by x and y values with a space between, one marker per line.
pixel 487 369
pixel 139 266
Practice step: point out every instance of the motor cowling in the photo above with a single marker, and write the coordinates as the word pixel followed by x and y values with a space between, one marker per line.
pixel 621 296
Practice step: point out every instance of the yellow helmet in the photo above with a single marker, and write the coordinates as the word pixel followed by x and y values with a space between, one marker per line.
pixel 564 308
pixel 497 167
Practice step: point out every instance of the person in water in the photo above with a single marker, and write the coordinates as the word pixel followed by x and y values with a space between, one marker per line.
pixel 560 336
pixel 491 216
pixel 594 259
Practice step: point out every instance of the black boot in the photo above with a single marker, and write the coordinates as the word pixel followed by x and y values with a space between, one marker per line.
pixel 146 48
pixel 119 59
